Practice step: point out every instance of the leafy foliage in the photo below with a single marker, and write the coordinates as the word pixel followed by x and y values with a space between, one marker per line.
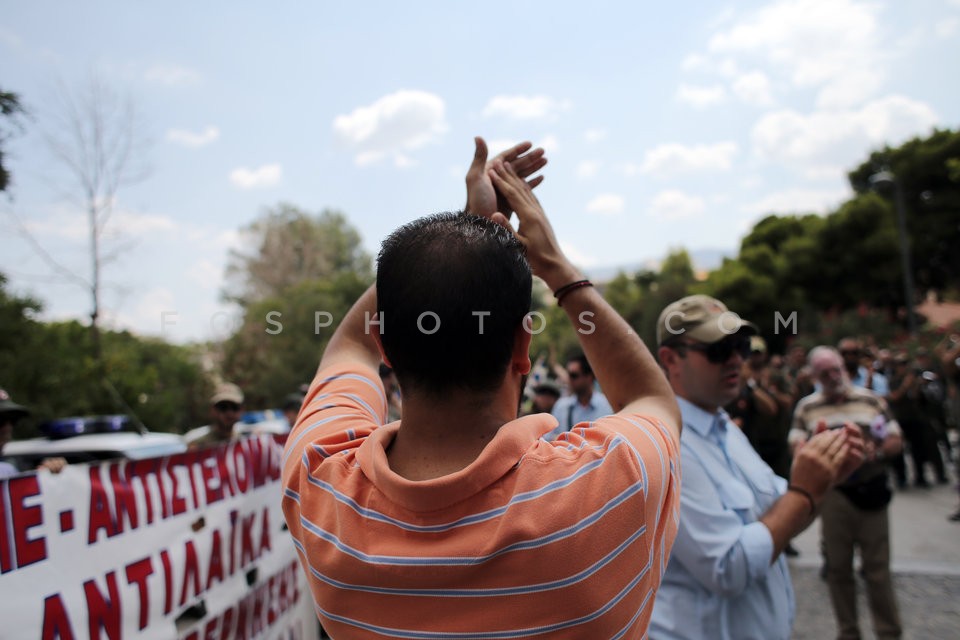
pixel 287 246
pixel 278 346
pixel 839 271
pixel 49 367
pixel 10 108
pixel 928 173
pixel 296 264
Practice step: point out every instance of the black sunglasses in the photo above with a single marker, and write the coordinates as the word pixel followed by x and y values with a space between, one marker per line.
pixel 720 351
pixel 226 406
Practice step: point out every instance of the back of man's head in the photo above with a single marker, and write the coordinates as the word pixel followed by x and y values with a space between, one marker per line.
pixel 451 291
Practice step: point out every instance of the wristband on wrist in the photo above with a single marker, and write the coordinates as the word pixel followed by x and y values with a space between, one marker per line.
pixel 561 293
pixel 806 494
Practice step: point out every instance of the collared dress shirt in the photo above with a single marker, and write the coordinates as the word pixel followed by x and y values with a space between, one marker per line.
pixel 719 583
pixel 569 412
pixel 878 382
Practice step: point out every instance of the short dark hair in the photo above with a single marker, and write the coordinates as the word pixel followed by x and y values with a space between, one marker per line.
pixel 583 362
pixel 453 265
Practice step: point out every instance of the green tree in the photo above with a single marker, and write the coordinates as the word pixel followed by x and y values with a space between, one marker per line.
pixel 859 257
pixel 97 141
pixel 286 246
pixel 293 265
pixel 49 367
pixel 10 109
pixel 278 346
pixel 928 175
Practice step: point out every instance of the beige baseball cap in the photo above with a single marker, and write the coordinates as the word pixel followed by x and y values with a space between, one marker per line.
pixel 227 392
pixel 700 318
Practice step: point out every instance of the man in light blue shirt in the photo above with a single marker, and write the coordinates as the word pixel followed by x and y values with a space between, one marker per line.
pixel 584 404
pixel 852 352
pixel 727 577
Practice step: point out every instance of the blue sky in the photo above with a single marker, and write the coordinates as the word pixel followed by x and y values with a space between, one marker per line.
pixel 668 125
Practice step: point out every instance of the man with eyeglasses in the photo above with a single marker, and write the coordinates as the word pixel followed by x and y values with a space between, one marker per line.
pixel 727 577
pixel 226 408
pixel 851 351
pixel 584 404
pixel 855 515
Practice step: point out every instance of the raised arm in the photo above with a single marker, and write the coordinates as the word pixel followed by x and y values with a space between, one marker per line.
pixel 353 340
pixel 630 377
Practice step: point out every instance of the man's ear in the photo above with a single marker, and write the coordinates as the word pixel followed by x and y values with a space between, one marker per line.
pixel 379 341
pixel 520 358
pixel 667 357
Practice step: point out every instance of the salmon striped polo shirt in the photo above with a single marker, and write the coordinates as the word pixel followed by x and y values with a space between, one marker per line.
pixel 534 539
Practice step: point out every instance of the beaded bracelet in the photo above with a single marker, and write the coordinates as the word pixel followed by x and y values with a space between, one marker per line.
pixel 806 494
pixel 561 293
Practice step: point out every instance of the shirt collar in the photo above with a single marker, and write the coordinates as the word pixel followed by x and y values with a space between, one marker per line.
pixel 699 420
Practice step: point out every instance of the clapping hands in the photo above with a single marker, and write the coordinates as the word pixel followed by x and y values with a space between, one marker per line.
pixel 482 198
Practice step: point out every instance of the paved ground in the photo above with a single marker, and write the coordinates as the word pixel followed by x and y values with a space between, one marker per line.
pixel 926 564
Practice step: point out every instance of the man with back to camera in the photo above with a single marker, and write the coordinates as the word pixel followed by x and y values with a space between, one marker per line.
pixel 728 578
pixel 461 520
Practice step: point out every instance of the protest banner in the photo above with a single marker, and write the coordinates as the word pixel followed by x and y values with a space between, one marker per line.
pixel 191 546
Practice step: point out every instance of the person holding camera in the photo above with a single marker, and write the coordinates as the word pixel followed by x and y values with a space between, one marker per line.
pixel 854 514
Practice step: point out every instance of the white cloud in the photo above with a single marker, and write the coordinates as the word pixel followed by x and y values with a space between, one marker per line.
pixel 696 62
pixel 266 176
pixel 525 107
pixel 728 68
pixel 607 204
pixel 152 307
pixel 753 88
pixel 70 224
pixel 798 201
pixel 840 135
pixel 172 76
pixel 401 161
pixel 700 96
pixel 674 158
pixel 594 135
pixel 831 46
pixel 576 256
pixel 368 158
pixel 497 145
pixel 129 222
pixel 824 172
pixel 631 169
pixel 676 205
pixel 397 122
pixel 948 27
pixel 191 139
pixel 207 274
pixel 587 168
pixel 549 143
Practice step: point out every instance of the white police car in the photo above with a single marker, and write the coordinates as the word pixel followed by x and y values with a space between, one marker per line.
pixel 91 439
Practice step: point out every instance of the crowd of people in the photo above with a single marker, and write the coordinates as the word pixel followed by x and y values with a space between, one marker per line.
pixel 388 514
pixel 637 492
pixel 906 405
